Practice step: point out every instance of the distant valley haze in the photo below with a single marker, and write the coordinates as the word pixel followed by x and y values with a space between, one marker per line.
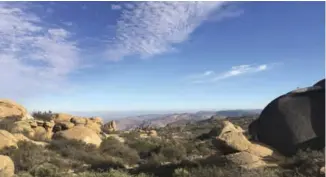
pixel 115 115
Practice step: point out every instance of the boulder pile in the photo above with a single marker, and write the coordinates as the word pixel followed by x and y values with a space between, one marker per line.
pixel 33 129
pixel 67 121
pixel 15 121
pixel 110 127
pixel 240 151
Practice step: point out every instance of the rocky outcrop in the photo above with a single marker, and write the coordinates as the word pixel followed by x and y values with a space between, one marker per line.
pixel 293 121
pixel 78 120
pixel 24 127
pixel 7 167
pixel 12 110
pixel 81 133
pixel 96 127
pixel 239 150
pixel 60 126
pixel 248 161
pixel 147 133
pixel 33 129
pixel 61 117
pixel 10 140
pixel 109 127
pixel 97 120
pixel 41 134
pixel 66 121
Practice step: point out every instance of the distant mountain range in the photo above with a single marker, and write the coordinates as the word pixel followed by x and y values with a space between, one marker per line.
pixel 174 119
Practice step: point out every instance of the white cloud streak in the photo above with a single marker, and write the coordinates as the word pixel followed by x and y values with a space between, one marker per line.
pixel 115 7
pixel 210 76
pixel 152 28
pixel 33 57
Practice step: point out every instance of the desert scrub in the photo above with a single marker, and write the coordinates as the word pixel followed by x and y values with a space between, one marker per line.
pixel 227 171
pixel 115 148
pixel 308 162
pixel 29 155
pixel 86 153
pixel 144 147
pixel 111 173
pixel 45 170
pixel 180 172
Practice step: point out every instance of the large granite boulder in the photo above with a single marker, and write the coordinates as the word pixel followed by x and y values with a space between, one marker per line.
pixel 293 121
pixel 7 139
pixel 61 117
pixel 11 112
pixel 7 167
pixel 81 133
pixel 96 127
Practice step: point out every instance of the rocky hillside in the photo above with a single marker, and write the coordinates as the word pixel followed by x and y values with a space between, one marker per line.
pixel 162 120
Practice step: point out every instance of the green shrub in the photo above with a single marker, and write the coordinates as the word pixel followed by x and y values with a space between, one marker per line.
pixel 173 152
pixel 28 155
pixel 131 135
pixel 45 170
pixel 215 171
pixel 180 172
pixel 144 147
pixel 86 153
pixel 45 116
pixel 115 148
pixel 309 162
pixel 23 174
pixel 111 173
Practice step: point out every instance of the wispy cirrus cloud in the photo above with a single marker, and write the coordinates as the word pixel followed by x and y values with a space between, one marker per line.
pixel 211 76
pixel 201 75
pixel 33 56
pixel 151 28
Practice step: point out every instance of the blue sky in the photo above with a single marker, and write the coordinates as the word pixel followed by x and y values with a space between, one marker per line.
pixel 128 56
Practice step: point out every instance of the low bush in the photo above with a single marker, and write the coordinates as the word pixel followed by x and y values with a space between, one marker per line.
pixel 85 153
pixel 28 155
pixel 45 170
pixel 45 116
pixel 115 148
pixel 111 173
